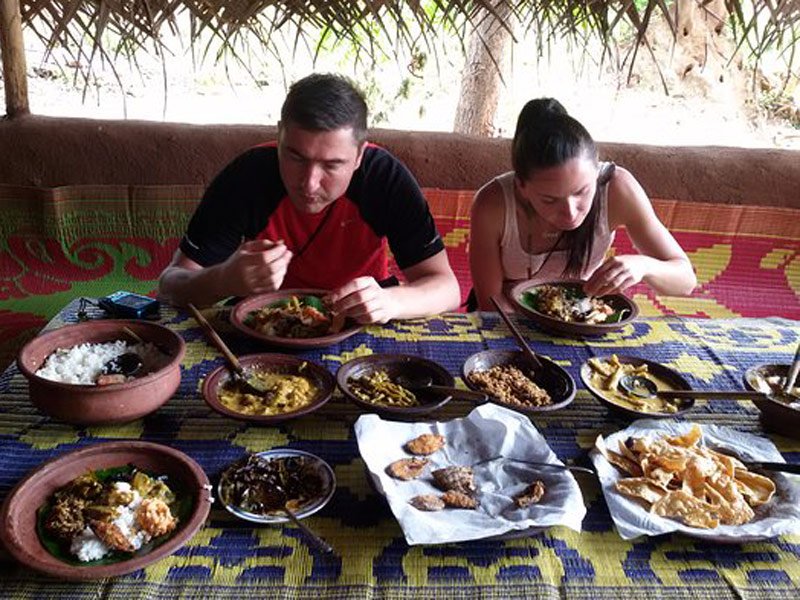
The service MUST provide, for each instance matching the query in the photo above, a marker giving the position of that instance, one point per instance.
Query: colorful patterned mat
(60, 243)
(234, 558)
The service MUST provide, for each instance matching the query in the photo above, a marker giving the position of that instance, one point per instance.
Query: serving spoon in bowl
(248, 384)
(642, 387)
(424, 383)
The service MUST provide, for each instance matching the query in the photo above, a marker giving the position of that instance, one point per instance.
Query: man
(316, 210)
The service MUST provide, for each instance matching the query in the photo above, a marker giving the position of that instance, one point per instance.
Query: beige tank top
(517, 263)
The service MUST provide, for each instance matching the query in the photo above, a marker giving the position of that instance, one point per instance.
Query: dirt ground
(711, 104)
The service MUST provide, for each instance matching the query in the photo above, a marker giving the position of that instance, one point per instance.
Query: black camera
(129, 305)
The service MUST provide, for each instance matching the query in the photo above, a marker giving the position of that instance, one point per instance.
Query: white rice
(83, 363)
(87, 546)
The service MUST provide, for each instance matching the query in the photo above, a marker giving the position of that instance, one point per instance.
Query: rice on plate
(82, 364)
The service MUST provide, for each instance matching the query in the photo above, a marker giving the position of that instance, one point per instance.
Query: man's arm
(432, 288)
(256, 267)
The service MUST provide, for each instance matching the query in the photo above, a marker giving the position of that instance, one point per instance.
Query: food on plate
(773, 384)
(295, 317)
(457, 499)
(568, 303)
(283, 393)
(510, 386)
(678, 478)
(606, 375)
(266, 486)
(113, 512)
(425, 444)
(378, 388)
(530, 495)
(427, 502)
(102, 363)
(460, 479)
(407, 468)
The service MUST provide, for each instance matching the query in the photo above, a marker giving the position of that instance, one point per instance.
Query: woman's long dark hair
(546, 136)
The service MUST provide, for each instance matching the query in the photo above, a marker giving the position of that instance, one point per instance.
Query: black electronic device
(129, 305)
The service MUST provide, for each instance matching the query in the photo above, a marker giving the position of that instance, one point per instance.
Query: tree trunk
(12, 51)
(487, 54)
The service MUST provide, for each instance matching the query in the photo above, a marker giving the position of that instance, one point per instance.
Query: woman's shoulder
(626, 197)
(492, 193)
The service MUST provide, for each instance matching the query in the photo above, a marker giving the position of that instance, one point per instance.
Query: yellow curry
(284, 393)
(605, 378)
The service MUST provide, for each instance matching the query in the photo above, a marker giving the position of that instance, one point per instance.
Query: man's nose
(311, 179)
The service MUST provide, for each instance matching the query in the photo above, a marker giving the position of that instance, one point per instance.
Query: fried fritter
(407, 468)
(530, 495)
(456, 499)
(427, 443)
(111, 535)
(427, 502)
(460, 479)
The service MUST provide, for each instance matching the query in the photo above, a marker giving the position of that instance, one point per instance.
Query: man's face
(316, 166)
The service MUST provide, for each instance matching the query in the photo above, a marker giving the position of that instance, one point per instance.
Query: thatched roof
(379, 26)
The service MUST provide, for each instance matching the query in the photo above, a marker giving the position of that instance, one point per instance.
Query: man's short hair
(326, 102)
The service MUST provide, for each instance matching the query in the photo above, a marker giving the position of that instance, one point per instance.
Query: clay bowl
(550, 324)
(19, 512)
(240, 313)
(669, 376)
(320, 377)
(108, 404)
(552, 378)
(777, 416)
(401, 366)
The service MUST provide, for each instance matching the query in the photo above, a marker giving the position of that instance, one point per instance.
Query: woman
(554, 217)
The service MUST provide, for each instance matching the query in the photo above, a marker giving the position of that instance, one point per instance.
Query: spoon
(538, 464)
(791, 376)
(642, 387)
(126, 364)
(523, 345)
(249, 385)
(423, 383)
(317, 540)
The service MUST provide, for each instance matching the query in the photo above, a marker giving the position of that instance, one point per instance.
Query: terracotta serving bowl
(557, 326)
(241, 311)
(99, 405)
(413, 368)
(673, 378)
(320, 377)
(18, 515)
(552, 378)
(775, 415)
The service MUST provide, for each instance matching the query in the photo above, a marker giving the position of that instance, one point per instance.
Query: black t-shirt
(238, 204)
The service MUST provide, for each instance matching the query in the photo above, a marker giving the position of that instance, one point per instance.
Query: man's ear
(362, 146)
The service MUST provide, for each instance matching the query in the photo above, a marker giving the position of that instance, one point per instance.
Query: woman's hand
(617, 274)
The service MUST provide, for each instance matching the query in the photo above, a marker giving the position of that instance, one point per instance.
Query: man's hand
(257, 267)
(617, 274)
(364, 301)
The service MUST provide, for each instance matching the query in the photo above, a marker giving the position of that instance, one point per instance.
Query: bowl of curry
(292, 387)
(602, 376)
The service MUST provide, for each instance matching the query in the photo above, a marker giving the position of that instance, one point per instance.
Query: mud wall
(43, 151)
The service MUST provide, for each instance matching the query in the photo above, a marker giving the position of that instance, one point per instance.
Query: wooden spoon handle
(213, 336)
(523, 345)
(713, 395)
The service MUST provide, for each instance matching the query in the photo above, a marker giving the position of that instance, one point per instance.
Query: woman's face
(562, 195)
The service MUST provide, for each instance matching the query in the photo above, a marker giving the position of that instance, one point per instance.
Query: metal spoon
(126, 364)
(249, 385)
(523, 345)
(642, 387)
(538, 464)
(424, 383)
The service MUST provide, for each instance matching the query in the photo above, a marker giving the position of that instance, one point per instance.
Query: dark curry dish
(266, 486)
(295, 317)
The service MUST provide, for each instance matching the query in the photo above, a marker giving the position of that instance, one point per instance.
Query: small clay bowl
(673, 378)
(319, 376)
(775, 415)
(106, 404)
(18, 515)
(242, 310)
(550, 377)
(551, 324)
(397, 366)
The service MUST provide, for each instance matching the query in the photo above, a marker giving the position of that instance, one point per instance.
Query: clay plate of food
(379, 383)
(145, 501)
(296, 318)
(259, 487)
(781, 411)
(534, 390)
(562, 307)
(289, 387)
(607, 377)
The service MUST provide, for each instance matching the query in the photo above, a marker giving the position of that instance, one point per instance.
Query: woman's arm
(485, 234)
(661, 262)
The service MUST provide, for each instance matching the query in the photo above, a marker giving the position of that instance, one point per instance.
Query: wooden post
(12, 51)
